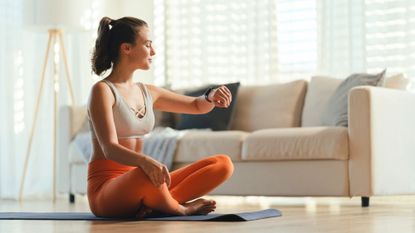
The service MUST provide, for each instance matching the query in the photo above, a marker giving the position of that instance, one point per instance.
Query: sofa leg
(365, 201)
(72, 198)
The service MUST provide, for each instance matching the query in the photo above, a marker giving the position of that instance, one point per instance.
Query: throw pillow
(397, 81)
(164, 119)
(336, 112)
(217, 119)
(275, 105)
(319, 91)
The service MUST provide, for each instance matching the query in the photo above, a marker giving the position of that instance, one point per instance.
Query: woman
(122, 181)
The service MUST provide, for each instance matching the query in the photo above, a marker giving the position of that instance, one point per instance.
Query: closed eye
(148, 43)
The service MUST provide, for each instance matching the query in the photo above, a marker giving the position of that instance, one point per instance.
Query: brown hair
(107, 45)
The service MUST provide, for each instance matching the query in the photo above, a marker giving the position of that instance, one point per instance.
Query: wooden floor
(386, 214)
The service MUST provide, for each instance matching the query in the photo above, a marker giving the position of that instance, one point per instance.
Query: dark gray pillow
(164, 119)
(217, 119)
(336, 113)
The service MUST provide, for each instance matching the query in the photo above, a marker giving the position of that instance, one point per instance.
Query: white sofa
(280, 148)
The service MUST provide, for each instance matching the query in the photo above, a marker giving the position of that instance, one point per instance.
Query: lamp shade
(70, 15)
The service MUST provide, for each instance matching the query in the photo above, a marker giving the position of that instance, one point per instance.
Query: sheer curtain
(297, 39)
(12, 96)
(390, 36)
(341, 32)
(367, 36)
(21, 61)
(217, 41)
(281, 40)
(214, 41)
(19, 75)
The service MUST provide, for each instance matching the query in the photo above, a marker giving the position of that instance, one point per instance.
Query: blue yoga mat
(238, 217)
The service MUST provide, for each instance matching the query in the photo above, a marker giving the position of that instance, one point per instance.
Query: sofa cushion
(336, 112)
(319, 91)
(195, 145)
(308, 143)
(270, 106)
(217, 119)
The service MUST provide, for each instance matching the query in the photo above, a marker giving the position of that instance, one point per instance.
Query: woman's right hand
(156, 172)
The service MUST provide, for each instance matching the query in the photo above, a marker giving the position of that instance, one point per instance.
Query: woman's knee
(145, 187)
(225, 165)
(140, 179)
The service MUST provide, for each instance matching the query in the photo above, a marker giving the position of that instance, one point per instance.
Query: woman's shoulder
(100, 87)
(101, 91)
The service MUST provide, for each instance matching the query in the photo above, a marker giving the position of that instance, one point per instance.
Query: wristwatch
(206, 94)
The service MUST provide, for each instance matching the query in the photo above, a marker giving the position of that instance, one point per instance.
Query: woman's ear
(125, 48)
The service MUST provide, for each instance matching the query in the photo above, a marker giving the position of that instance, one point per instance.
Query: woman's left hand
(221, 97)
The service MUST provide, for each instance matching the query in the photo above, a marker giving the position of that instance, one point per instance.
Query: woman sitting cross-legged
(122, 181)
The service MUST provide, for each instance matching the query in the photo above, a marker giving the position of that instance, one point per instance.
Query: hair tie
(109, 21)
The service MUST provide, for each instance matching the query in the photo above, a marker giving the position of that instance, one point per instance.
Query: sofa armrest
(64, 139)
(72, 120)
(381, 141)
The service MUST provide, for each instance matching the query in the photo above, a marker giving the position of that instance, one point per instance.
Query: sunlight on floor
(226, 203)
(310, 204)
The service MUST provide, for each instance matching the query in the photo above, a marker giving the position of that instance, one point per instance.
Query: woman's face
(142, 52)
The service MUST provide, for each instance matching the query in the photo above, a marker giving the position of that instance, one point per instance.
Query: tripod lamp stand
(56, 41)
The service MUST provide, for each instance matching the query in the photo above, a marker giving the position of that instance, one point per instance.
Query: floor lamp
(55, 38)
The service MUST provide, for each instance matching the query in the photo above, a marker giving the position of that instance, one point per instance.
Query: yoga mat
(238, 217)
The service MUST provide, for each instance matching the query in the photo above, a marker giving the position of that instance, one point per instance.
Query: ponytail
(101, 60)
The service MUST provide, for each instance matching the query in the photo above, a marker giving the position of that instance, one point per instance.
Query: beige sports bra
(127, 123)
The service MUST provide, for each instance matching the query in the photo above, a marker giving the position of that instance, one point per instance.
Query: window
(215, 41)
(297, 39)
(390, 36)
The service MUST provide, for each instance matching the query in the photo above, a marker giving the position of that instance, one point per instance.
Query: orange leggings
(116, 190)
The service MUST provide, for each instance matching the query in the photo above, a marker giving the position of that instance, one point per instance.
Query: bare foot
(199, 206)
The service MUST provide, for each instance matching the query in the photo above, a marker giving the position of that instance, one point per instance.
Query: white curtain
(297, 39)
(21, 61)
(20, 69)
(367, 36)
(12, 94)
(281, 40)
(341, 32)
(215, 41)
(390, 36)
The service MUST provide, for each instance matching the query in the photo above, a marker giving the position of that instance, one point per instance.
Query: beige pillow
(397, 81)
(270, 106)
(319, 91)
